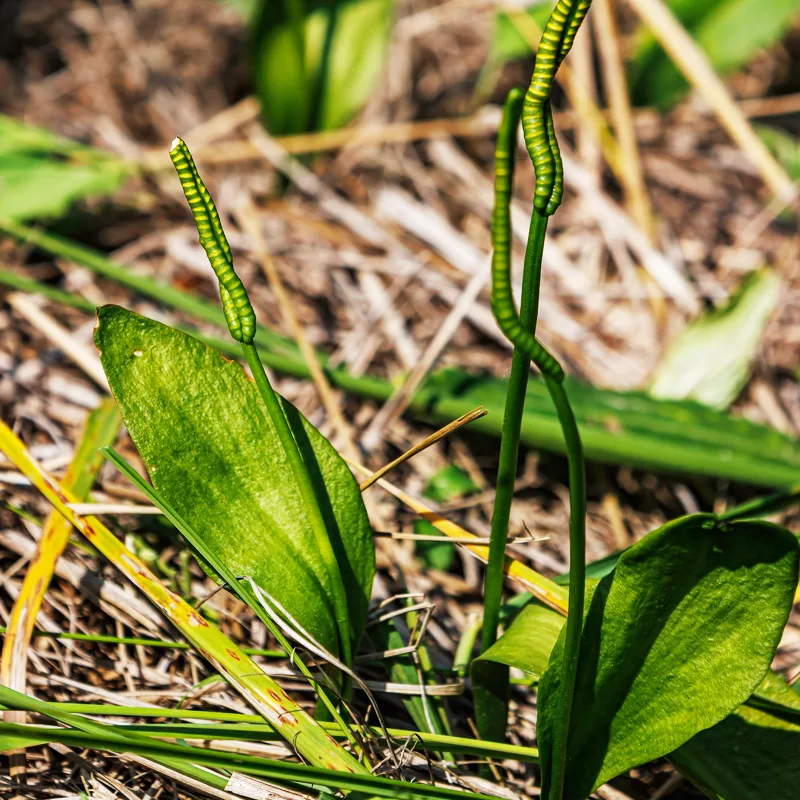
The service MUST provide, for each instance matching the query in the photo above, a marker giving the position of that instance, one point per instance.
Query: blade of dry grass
(542, 588)
(465, 419)
(484, 122)
(402, 396)
(616, 85)
(83, 356)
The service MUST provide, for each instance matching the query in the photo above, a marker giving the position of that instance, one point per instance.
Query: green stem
(492, 706)
(763, 506)
(101, 638)
(306, 488)
(577, 577)
(109, 733)
(466, 644)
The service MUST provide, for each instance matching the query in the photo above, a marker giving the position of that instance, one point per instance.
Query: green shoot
(241, 321)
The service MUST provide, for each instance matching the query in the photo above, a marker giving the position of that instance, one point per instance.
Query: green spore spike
(239, 312)
(502, 300)
(537, 119)
(558, 165)
(231, 314)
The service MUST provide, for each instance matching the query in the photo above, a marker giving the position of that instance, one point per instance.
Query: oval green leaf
(753, 754)
(43, 175)
(710, 360)
(528, 642)
(676, 638)
(211, 451)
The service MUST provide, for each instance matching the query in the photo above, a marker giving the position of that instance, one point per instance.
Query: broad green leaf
(685, 435)
(17, 738)
(774, 694)
(345, 43)
(507, 43)
(730, 31)
(676, 638)
(528, 642)
(595, 570)
(210, 449)
(42, 175)
(753, 754)
(449, 483)
(710, 360)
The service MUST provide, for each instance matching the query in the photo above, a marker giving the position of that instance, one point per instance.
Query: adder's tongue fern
(542, 146)
(241, 321)
(537, 116)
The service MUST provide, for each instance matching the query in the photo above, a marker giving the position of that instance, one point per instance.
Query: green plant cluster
(666, 649)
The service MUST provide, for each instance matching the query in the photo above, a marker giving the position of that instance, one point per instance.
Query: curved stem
(298, 467)
(577, 577)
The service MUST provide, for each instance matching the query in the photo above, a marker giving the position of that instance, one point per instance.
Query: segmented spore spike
(502, 299)
(239, 313)
(537, 118)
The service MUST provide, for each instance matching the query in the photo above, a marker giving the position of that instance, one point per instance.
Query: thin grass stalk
(286, 772)
(110, 733)
(239, 669)
(252, 726)
(25, 284)
(136, 641)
